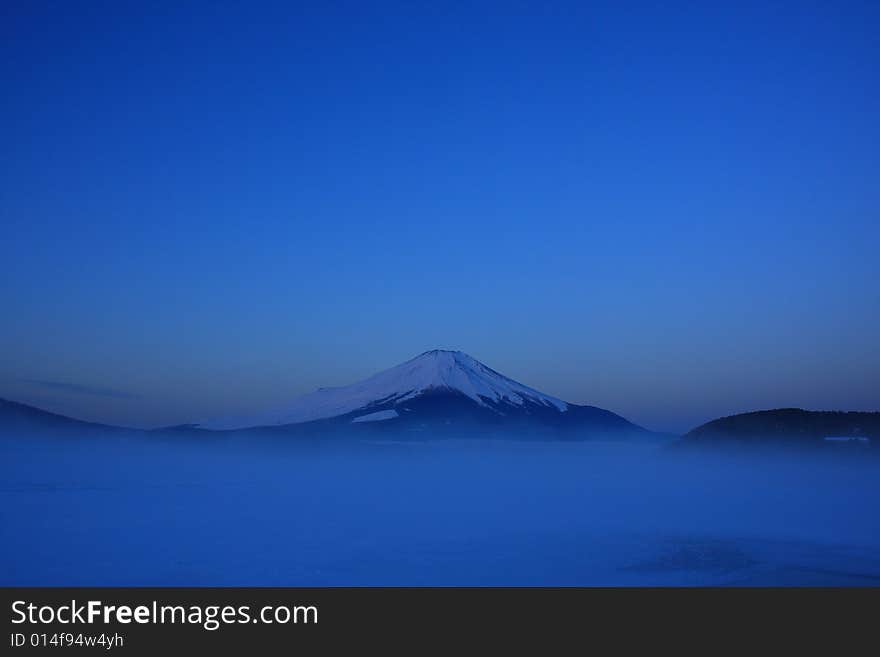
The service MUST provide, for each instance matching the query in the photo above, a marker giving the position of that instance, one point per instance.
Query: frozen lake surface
(461, 512)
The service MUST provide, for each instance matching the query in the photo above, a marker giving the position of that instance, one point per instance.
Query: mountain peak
(431, 371)
(438, 354)
(462, 373)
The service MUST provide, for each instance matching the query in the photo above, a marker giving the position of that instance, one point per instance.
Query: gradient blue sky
(671, 210)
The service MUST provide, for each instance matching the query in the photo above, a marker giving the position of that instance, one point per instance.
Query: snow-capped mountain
(435, 389)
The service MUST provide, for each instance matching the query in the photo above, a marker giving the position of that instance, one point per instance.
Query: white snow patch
(377, 416)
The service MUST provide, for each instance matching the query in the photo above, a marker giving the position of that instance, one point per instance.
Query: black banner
(255, 620)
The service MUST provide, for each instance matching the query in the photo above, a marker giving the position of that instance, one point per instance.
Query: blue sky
(671, 211)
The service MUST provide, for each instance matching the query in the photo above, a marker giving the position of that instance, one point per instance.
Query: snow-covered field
(132, 512)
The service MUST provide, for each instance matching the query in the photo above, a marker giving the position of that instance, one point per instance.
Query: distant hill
(16, 417)
(787, 425)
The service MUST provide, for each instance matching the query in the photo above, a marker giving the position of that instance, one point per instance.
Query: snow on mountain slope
(430, 371)
(378, 416)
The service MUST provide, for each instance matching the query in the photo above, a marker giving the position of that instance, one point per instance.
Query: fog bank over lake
(168, 511)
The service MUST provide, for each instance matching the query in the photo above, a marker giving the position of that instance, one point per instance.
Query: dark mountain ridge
(788, 426)
(15, 417)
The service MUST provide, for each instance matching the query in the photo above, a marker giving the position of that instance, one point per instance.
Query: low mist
(177, 510)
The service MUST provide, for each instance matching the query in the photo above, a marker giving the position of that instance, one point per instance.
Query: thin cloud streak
(79, 389)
